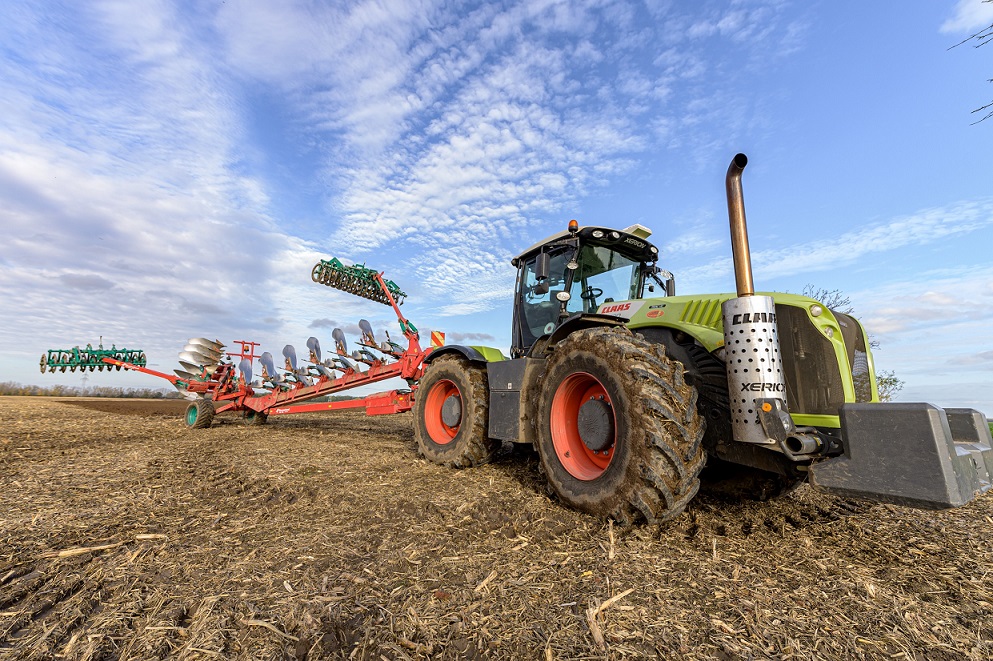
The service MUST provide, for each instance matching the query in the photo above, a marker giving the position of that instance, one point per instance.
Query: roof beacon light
(573, 226)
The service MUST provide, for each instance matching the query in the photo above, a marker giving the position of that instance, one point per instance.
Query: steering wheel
(591, 293)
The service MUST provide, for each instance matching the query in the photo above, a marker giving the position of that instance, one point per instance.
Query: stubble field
(123, 535)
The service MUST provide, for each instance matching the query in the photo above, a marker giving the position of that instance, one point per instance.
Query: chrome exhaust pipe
(751, 341)
(739, 231)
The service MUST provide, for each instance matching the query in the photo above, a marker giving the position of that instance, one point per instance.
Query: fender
(583, 320)
(478, 355)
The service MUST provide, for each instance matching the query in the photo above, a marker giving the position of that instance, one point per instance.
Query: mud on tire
(619, 434)
(723, 478)
(451, 413)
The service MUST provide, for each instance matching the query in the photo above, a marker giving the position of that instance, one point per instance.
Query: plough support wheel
(254, 418)
(200, 414)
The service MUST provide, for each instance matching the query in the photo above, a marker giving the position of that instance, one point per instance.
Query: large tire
(719, 477)
(619, 434)
(451, 409)
(199, 414)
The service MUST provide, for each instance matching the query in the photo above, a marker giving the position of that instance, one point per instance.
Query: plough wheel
(451, 410)
(200, 414)
(254, 418)
(619, 433)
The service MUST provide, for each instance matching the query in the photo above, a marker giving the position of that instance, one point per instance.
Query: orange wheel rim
(439, 432)
(579, 460)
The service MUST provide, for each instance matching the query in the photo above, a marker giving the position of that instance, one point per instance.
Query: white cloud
(970, 15)
(923, 227)
(448, 139)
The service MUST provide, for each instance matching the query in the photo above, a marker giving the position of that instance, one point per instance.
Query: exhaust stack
(751, 342)
(739, 232)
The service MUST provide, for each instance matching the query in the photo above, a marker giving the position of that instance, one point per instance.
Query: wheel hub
(451, 411)
(596, 424)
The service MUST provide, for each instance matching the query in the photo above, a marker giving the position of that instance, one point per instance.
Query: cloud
(457, 132)
(88, 282)
(348, 328)
(970, 15)
(463, 337)
(140, 198)
(921, 228)
(982, 358)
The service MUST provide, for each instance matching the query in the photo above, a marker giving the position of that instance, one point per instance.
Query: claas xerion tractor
(632, 395)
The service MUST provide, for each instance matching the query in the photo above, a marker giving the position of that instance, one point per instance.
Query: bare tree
(887, 383)
(981, 38)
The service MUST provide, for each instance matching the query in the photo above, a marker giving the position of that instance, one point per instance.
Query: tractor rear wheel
(619, 433)
(451, 409)
(199, 414)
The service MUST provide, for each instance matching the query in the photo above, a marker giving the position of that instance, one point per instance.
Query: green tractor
(634, 396)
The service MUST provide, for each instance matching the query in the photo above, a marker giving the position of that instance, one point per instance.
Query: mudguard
(909, 454)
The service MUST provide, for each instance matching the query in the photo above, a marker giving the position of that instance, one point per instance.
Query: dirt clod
(125, 535)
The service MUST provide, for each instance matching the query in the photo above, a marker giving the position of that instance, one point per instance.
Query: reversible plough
(220, 381)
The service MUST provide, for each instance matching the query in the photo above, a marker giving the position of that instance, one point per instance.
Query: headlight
(563, 296)
(829, 331)
(597, 234)
(816, 310)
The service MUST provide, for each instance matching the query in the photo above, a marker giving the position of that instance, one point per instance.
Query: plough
(219, 381)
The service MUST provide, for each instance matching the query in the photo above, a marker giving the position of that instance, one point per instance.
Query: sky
(175, 169)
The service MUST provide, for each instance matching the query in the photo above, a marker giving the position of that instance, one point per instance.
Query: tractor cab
(582, 271)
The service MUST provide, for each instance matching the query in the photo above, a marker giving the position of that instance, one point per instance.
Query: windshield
(603, 276)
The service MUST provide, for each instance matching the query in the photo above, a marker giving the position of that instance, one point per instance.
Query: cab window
(540, 307)
(603, 276)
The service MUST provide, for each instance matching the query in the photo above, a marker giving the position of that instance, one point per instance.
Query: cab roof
(631, 240)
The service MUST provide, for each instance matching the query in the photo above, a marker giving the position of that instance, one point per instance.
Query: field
(123, 535)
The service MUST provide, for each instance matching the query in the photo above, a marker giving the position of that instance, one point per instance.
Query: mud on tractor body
(633, 395)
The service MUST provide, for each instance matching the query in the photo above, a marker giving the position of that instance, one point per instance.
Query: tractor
(633, 396)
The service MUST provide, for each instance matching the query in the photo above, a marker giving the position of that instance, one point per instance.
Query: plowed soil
(123, 535)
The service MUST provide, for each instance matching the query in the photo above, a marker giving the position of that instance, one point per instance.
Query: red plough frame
(230, 392)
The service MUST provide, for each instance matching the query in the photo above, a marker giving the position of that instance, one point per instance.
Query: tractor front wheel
(451, 409)
(619, 432)
(199, 414)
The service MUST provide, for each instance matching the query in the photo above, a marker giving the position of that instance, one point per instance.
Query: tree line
(12, 388)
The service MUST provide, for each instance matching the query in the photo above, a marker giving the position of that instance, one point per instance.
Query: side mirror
(670, 286)
(542, 265)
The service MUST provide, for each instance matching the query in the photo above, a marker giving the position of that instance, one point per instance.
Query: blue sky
(174, 169)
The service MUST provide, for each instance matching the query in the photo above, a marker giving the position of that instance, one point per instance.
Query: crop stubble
(125, 535)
